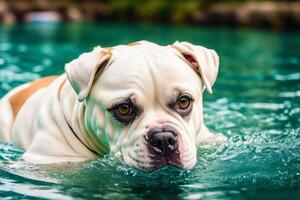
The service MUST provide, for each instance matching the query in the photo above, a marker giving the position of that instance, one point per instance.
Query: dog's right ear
(82, 70)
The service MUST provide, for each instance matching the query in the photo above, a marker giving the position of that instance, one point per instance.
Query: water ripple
(288, 77)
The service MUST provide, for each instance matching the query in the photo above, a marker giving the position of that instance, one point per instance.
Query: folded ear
(82, 70)
(204, 61)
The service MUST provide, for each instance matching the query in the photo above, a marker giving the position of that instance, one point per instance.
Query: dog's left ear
(204, 61)
(82, 70)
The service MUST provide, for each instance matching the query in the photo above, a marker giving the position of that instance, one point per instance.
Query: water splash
(256, 158)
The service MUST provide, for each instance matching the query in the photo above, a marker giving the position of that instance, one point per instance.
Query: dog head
(143, 102)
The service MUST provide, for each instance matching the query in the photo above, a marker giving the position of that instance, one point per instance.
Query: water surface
(256, 103)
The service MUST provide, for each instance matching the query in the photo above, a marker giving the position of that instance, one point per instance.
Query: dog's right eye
(124, 109)
(124, 112)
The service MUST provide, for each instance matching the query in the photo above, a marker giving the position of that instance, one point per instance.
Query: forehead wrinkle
(127, 73)
(135, 74)
(172, 76)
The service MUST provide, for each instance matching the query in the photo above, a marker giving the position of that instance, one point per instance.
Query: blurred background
(273, 14)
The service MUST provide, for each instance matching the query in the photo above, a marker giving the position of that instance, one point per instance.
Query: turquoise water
(256, 103)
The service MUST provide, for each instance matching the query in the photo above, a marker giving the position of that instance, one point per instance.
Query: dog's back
(12, 103)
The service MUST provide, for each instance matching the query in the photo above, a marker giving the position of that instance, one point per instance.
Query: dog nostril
(163, 143)
(172, 141)
(155, 142)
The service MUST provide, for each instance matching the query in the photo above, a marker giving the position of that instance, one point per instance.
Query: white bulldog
(139, 102)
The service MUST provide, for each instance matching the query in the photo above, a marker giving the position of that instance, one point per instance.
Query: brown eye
(184, 102)
(124, 109)
(124, 112)
(183, 105)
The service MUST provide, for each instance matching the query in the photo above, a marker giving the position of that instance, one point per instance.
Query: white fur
(77, 126)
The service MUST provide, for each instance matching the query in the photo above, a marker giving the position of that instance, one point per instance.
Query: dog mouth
(153, 162)
(163, 144)
(160, 161)
(159, 151)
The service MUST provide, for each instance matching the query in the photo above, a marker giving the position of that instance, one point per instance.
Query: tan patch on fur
(18, 99)
(133, 44)
(107, 51)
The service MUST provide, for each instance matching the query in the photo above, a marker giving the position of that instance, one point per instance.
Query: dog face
(144, 101)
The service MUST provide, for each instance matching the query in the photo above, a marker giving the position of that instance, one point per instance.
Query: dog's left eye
(183, 105)
(184, 102)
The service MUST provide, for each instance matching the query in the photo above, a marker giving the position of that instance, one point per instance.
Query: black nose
(163, 141)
